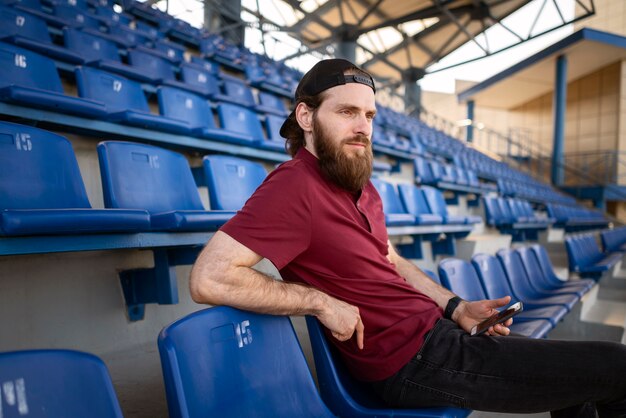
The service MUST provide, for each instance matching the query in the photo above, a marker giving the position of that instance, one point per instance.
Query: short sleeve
(276, 221)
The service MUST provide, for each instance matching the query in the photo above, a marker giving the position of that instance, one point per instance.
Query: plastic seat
(395, 215)
(437, 205)
(43, 192)
(195, 111)
(31, 32)
(200, 80)
(224, 362)
(536, 275)
(550, 277)
(157, 180)
(124, 99)
(231, 180)
(347, 397)
(496, 285)
(243, 121)
(460, 277)
(56, 383)
(413, 199)
(75, 17)
(32, 79)
(93, 49)
(270, 103)
(520, 283)
(237, 92)
(274, 141)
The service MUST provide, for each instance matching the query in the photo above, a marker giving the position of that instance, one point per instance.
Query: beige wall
(610, 16)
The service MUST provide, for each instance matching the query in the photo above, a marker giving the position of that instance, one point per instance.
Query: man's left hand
(468, 314)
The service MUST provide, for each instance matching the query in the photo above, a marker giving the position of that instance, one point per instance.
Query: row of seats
(32, 80)
(448, 176)
(411, 205)
(146, 188)
(527, 275)
(515, 217)
(585, 257)
(576, 218)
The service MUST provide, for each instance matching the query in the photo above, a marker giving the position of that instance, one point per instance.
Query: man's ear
(304, 116)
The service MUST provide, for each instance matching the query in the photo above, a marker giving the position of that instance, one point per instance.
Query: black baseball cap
(324, 75)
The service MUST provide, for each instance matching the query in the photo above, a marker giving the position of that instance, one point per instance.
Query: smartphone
(498, 318)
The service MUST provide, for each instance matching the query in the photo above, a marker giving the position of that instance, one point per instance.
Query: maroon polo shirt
(317, 233)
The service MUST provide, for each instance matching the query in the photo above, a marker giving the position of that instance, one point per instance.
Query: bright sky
(280, 45)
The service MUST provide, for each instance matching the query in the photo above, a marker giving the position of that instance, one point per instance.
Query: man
(319, 220)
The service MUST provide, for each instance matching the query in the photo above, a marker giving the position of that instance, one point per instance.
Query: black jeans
(511, 374)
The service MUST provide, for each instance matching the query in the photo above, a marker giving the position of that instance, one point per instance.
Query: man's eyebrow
(354, 107)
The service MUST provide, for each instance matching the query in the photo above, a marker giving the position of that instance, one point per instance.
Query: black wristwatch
(451, 307)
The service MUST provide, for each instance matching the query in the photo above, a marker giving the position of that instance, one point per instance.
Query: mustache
(358, 139)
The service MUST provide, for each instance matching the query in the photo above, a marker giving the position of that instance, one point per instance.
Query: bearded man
(320, 221)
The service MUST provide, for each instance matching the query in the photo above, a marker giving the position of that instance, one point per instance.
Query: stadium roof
(587, 51)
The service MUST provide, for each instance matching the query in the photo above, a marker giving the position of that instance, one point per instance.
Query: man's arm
(467, 314)
(223, 275)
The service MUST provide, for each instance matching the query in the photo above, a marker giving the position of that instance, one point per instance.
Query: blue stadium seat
(496, 285)
(200, 80)
(520, 282)
(269, 103)
(536, 276)
(265, 79)
(43, 192)
(56, 383)
(195, 111)
(242, 121)
(31, 32)
(32, 80)
(93, 49)
(551, 279)
(170, 50)
(157, 180)
(111, 17)
(423, 173)
(586, 259)
(228, 363)
(75, 17)
(231, 180)
(274, 141)
(347, 397)
(395, 214)
(415, 203)
(437, 205)
(237, 92)
(613, 239)
(124, 99)
(460, 277)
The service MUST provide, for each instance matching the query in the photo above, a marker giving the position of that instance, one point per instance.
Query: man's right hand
(342, 319)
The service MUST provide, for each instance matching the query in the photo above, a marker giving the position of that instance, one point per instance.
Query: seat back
(422, 170)
(201, 79)
(273, 124)
(91, 47)
(140, 176)
(238, 92)
(269, 100)
(435, 200)
(544, 262)
(172, 50)
(24, 68)
(515, 272)
(240, 119)
(224, 362)
(38, 170)
(413, 199)
(56, 383)
(389, 196)
(116, 92)
(460, 277)
(492, 211)
(492, 276)
(14, 22)
(231, 180)
(75, 16)
(533, 270)
(182, 105)
(151, 65)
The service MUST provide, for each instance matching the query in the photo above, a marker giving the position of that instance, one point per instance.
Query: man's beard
(348, 169)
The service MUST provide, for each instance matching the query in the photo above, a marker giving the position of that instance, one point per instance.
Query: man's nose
(364, 125)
